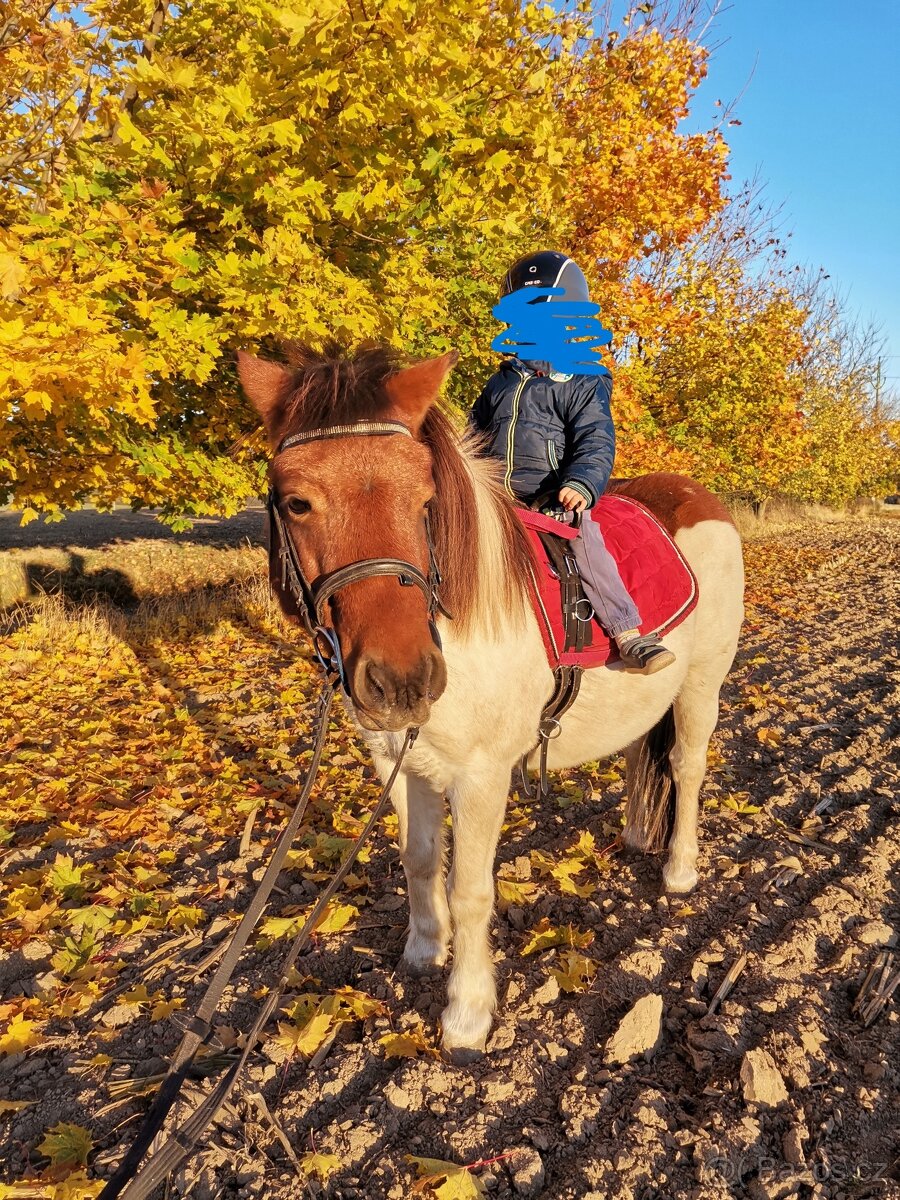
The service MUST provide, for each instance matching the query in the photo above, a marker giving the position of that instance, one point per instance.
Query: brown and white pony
(479, 699)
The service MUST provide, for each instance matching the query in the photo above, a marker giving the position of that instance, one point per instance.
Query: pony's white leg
(420, 816)
(478, 804)
(696, 714)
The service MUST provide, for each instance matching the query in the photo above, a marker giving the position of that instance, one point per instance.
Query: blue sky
(820, 125)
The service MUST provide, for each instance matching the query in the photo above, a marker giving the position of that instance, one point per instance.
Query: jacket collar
(532, 366)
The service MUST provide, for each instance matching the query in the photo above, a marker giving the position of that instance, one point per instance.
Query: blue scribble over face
(545, 331)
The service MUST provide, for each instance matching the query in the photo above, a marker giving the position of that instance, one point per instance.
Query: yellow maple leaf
(336, 917)
(545, 936)
(139, 995)
(318, 1164)
(358, 1003)
(511, 891)
(409, 1044)
(21, 1034)
(447, 1180)
(75, 1187)
(768, 736)
(12, 276)
(164, 1008)
(305, 1039)
(575, 972)
(567, 885)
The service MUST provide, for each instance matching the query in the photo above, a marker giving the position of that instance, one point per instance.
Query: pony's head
(343, 499)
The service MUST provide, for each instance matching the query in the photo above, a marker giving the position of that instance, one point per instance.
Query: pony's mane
(482, 550)
(334, 387)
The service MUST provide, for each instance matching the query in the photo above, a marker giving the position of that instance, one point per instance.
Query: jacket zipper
(510, 437)
(551, 455)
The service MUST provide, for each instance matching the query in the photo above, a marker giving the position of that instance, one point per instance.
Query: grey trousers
(612, 604)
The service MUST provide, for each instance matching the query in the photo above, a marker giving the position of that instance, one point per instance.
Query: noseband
(312, 596)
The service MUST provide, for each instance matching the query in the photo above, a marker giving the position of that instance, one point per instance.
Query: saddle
(653, 570)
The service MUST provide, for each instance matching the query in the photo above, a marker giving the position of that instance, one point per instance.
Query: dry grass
(780, 516)
(106, 605)
(48, 621)
(124, 572)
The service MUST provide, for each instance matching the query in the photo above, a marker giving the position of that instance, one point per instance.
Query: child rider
(554, 434)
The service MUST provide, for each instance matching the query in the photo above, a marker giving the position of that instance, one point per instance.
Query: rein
(312, 598)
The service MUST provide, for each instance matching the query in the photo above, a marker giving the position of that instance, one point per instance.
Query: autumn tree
(850, 420)
(177, 183)
(248, 170)
(645, 191)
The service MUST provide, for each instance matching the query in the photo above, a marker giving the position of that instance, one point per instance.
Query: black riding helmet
(547, 269)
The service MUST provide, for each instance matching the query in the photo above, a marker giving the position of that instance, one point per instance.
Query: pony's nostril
(375, 683)
(437, 676)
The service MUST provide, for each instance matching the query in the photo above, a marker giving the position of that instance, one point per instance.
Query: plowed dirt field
(145, 770)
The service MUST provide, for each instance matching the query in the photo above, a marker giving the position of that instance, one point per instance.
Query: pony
(476, 684)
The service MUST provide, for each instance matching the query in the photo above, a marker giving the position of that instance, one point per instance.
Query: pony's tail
(651, 785)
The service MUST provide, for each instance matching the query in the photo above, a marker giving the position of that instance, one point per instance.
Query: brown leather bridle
(312, 596)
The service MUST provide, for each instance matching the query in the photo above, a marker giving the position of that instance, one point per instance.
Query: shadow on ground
(90, 529)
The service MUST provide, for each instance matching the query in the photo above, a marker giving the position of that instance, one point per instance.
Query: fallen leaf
(318, 1164)
(410, 1044)
(164, 1008)
(545, 936)
(575, 972)
(447, 1180)
(306, 1039)
(139, 995)
(768, 736)
(512, 892)
(67, 1145)
(21, 1034)
(336, 917)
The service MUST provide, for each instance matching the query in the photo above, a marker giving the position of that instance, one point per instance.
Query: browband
(357, 429)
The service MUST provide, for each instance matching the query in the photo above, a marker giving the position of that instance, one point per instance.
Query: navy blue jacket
(549, 432)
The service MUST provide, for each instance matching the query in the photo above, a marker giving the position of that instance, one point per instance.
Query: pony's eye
(299, 507)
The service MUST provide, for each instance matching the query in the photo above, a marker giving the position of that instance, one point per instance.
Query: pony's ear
(267, 385)
(413, 390)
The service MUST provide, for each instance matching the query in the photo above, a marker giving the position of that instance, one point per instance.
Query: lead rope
(139, 1184)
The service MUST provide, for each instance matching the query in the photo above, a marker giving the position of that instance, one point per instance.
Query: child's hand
(571, 500)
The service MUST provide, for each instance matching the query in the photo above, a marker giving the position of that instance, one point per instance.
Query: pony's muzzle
(389, 698)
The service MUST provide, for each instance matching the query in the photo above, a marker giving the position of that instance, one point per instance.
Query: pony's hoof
(634, 838)
(423, 956)
(465, 1029)
(679, 879)
(420, 968)
(462, 1056)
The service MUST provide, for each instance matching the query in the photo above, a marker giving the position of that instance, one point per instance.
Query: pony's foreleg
(477, 804)
(420, 816)
(696, 714)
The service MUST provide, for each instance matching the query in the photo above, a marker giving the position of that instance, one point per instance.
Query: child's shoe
(643, 654)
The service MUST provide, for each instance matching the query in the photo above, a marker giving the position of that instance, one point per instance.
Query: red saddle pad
(652, 567)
